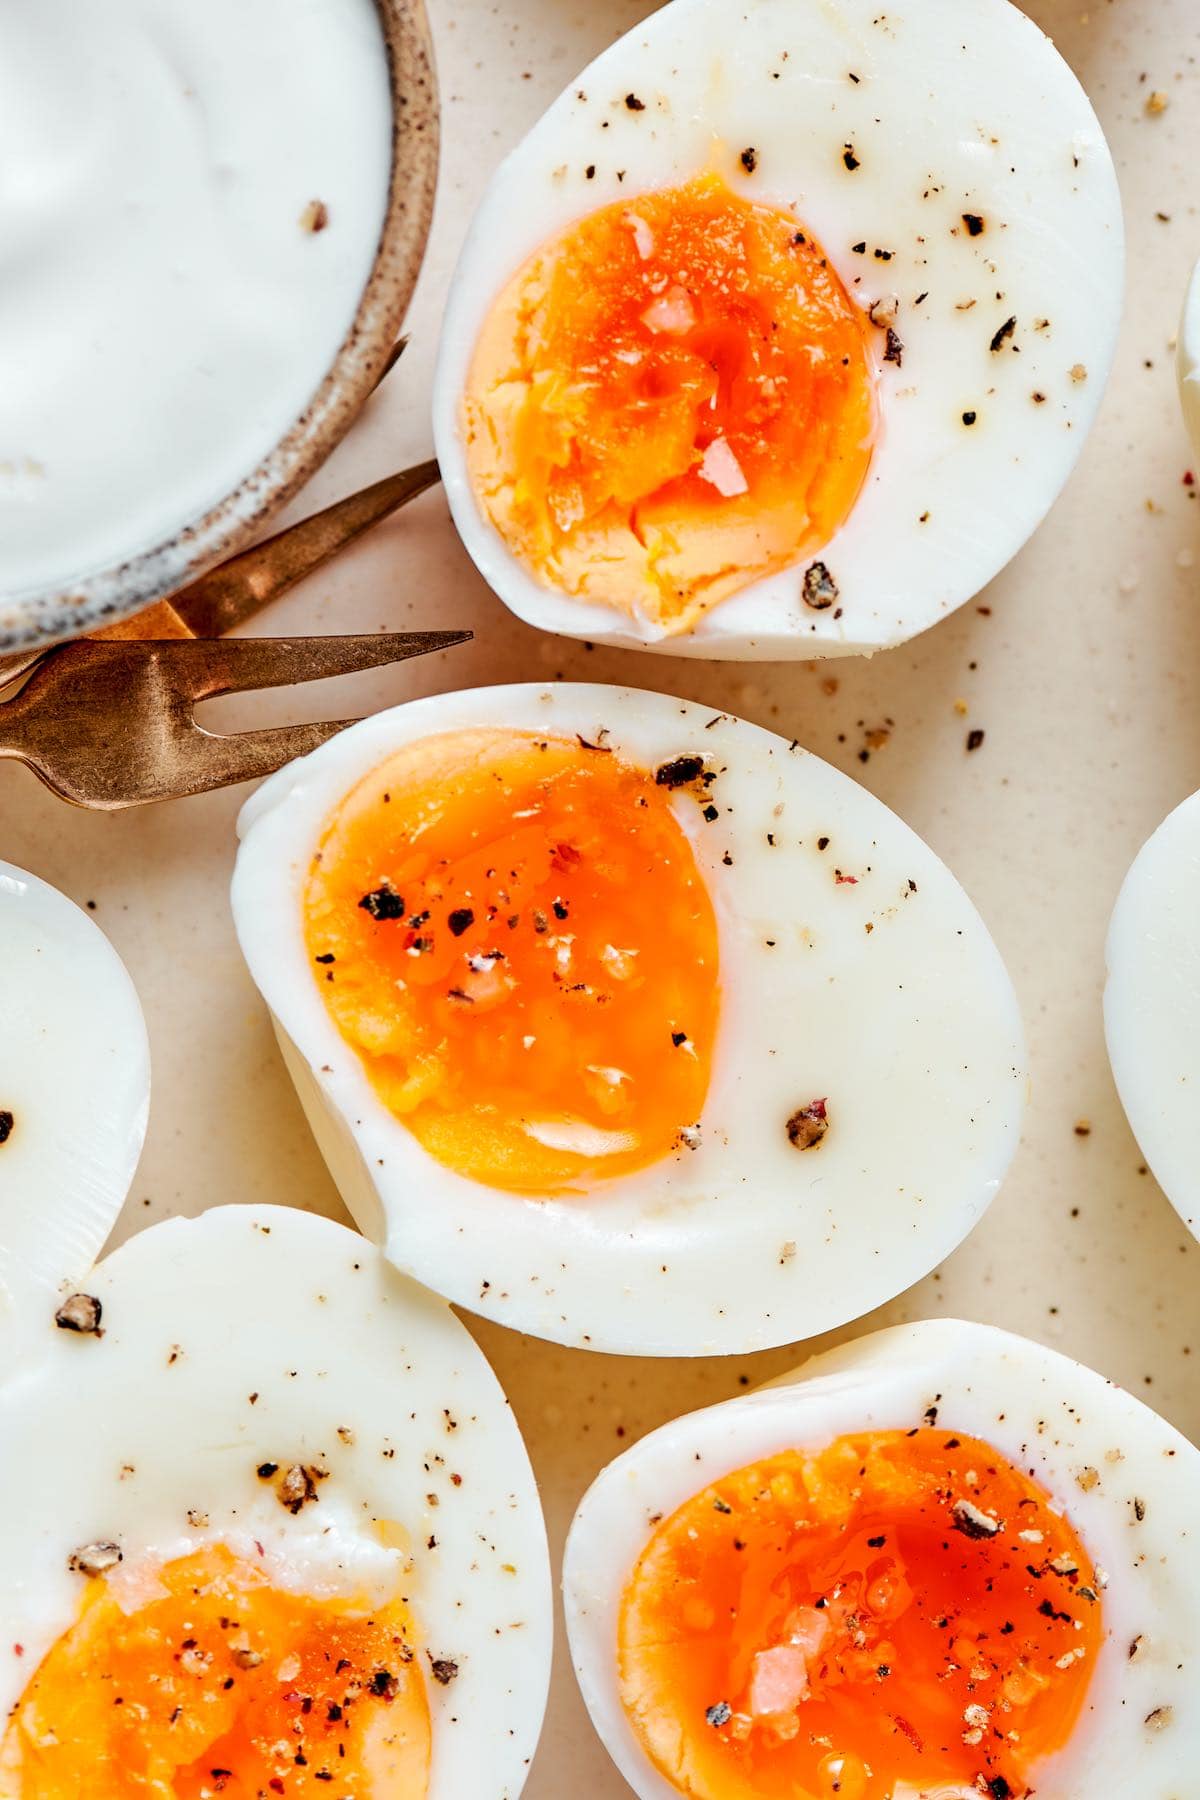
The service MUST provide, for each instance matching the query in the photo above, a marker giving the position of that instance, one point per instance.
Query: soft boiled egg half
(1152, 1005)
(267, 1528)
(779, 333)
(74, 1092)
(939, 1563)
(625, 1022)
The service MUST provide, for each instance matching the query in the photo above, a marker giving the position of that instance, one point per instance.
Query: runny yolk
(220, 1684)
(513, 934)
(669, 400)
(899, 1614)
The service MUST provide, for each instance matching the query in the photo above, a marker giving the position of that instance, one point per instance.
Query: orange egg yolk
(899, 1614)
(670, 400)
(513, 934)
(219, 1684)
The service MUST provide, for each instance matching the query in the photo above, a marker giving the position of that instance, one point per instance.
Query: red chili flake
(18, 1649)
(565, 857)
(1189, 479)
(276, 1785)
(841, 880)
(912, 1736)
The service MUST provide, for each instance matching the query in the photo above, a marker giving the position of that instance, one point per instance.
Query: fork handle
(159, 620)
(215, 603)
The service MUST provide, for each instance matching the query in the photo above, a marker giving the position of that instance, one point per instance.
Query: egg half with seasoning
(939, 1563)
(627, 1023)
(781, 330)
(1152, 1005)
(267, 1528)
(74, 1092)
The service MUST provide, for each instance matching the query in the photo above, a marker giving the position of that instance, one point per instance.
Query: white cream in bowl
(167, 310)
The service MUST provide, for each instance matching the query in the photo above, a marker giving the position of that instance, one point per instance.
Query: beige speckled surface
(1084, 675)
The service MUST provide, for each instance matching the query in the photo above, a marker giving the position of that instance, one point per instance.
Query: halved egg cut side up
(513, 934)
(670, 400)
(212, 1681)
(900, 1613)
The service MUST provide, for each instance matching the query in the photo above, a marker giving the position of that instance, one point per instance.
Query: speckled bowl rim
(42, 614)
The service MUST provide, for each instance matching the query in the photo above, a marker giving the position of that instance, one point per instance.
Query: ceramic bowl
(42, 615)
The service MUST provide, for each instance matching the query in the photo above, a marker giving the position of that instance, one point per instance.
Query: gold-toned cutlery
(110, 725)
(234, 591)
(108, 721)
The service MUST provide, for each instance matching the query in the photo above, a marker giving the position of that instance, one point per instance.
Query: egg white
(881, 993)
(1152, 1005)
(75, 1075)
(963, 108)
(258, 1334)
(1045, 1412)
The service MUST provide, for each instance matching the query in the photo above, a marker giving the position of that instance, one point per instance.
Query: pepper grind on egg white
(627, 1023)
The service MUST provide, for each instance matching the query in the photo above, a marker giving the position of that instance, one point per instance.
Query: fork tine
(392, 358)
(249, 755)
(206, 668)
(215, 603)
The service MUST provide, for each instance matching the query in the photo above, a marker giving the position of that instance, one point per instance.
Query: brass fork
(111, 725)
(108, 722)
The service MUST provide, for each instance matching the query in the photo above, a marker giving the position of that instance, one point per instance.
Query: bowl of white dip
(212, 218)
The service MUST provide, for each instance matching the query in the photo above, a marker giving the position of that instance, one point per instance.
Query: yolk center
(220, 1684)
(513, 934)
(897, 1611)
(670, 400)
